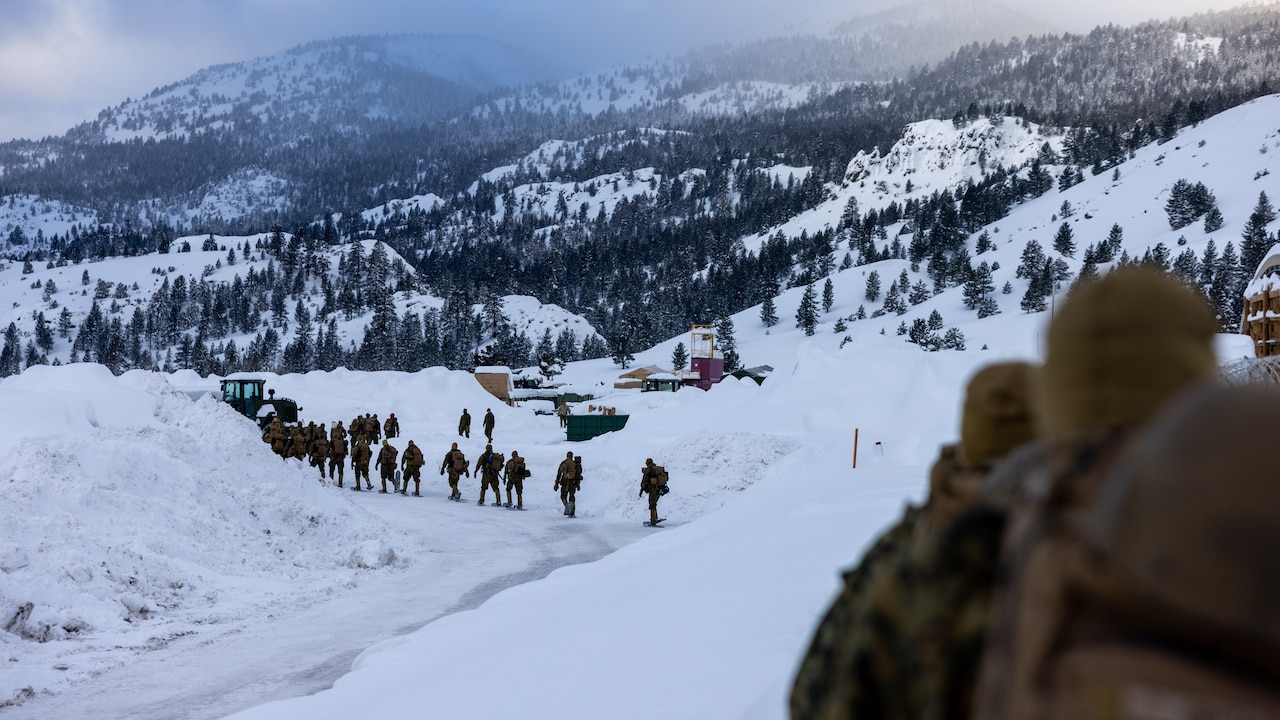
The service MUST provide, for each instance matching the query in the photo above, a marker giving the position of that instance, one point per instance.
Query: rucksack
(459, 461)
(659, 476)
(495, 462)
(570, 471)
(1154, 596)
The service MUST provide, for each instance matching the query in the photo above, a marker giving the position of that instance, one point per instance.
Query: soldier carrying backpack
(515, 473)
(653, 480)
(488, 465)
(568, 477)
(455, 463)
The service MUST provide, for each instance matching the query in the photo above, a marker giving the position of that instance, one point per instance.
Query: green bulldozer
(245, 395)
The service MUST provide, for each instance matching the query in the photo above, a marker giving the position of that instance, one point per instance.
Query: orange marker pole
(855, 448)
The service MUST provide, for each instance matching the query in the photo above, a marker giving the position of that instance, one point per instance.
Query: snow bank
(126, 502)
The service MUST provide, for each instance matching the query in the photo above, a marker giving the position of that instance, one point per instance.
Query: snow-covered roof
(493, 370)
(663, 376)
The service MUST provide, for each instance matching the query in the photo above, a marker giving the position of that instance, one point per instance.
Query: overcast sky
(61, 61)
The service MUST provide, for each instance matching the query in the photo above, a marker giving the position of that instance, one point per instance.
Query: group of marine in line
(1099, 544)
(323, 447)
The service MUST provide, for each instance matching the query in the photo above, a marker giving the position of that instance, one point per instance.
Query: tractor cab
(243, 395)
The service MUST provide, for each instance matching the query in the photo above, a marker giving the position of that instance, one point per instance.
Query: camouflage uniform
(392, 427)
(455, 463)
(649, 484)
(567, 483)
(488, 425)
(1119, 348)
(514, 474)
(464, 424)
(337, 456)
(277, 437)
(411, 462)
(386, 462)
(361, 454)
(320, 450)
(297, 444)
(488, 474)
(870, 642)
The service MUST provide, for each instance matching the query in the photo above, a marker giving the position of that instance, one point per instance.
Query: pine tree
(679, 356)
(828, 296)
(1213, 220)
(1039, 287)
(728, 344)
(1225, 293)
(620, 350)
(1254, 242)
(980, 285)
(1032, 260)
(873, 286)
(807, 313)
(768, 312)
(1063, 242)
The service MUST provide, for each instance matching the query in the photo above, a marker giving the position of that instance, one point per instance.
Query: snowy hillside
(25, 220)
(765, 507)
(123, 289)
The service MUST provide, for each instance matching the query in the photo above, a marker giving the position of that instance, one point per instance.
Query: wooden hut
(497, 380)
(1261, 317)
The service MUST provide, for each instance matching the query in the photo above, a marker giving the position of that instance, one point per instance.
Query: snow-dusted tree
(873, 286)
(679, 356)
(828, 296)
(807, 313)
(1063, 241)
(1032, 260)
(620, 350)
(728, 344)
(979, 286)
(1254, 242)
(768, 312)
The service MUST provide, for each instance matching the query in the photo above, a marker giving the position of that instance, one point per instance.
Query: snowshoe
(653, 524)
(381, 492)
(415, 494)
(480, 501)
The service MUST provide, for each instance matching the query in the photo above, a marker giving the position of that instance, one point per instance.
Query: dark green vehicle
(247, 398)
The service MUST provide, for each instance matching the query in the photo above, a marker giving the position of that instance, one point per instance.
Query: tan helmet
(455, 446)
(997, 414)
(568, 455)
(1119, 348)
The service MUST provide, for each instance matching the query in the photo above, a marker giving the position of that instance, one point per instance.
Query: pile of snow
(127, 502)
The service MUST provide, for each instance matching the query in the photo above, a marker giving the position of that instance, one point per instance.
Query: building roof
(493, 370)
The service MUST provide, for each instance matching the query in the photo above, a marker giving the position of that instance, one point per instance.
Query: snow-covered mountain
(121, 595)
(328, 85)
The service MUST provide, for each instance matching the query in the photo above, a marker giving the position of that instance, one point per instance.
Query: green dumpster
(585, 427)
